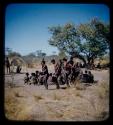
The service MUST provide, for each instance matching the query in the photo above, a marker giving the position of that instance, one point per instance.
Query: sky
(26, 25)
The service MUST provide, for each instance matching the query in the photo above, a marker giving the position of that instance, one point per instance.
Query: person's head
(64, 60)
(27, 74)
(86, 71)
(37, 72)
(50, 74)
(53, 61)
(7, 58)
(43, 63)
(32, 74)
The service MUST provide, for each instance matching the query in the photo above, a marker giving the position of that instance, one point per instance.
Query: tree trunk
(90, 61)
(76, 55)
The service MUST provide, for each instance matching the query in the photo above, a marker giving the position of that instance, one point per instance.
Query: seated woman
(33, 79)
(18, 70)
(85, 77)
(26, 78)
(90, 77)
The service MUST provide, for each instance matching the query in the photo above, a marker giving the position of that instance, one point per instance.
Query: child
(91, 77)
(26, 78)
(45, 73)
(33, 79)
(85, 77)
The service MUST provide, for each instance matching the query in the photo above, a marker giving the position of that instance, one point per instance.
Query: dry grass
(80, 87)
(103, 90)
(17, 94)
(37, 97)
(103, 62)
(78, 94)
(12, 107)
(77, 103)
(56, 97)
(100, 101)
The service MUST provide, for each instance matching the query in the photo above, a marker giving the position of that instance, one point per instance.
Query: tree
(12, 54)
(64, 38)
(32, 54)
(102, 30)
(95, 44)
(8, 50)
(80, 41)
(40, 53)
(43, 54)
(54, 53)
(62, 54)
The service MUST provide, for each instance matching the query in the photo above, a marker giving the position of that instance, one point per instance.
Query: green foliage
(64, 38)
(8, 50)
(96, 43)
(13, 54)
(31, 54)
(10, 53)
(39, 53)
(89, 39)
(62, 54)
(102, 30)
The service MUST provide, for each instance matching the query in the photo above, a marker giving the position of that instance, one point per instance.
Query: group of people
(65, 72)
(87, 77)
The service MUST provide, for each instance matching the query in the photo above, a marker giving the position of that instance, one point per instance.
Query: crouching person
(37, 74)
(33, 79)
(90, 77)
(26, 78)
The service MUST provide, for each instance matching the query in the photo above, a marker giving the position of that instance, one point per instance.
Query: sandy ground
(80, 103)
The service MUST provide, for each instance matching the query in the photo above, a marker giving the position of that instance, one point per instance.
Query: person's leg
(45, 82)
(67, 80)
(57, 83)
(9, 69)
(60, 79)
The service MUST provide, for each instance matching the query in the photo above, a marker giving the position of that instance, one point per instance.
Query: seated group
(87, 77)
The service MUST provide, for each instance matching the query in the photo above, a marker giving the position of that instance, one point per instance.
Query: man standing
(7, 65)
(45, 73)
(66, 71)
(57, 72)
